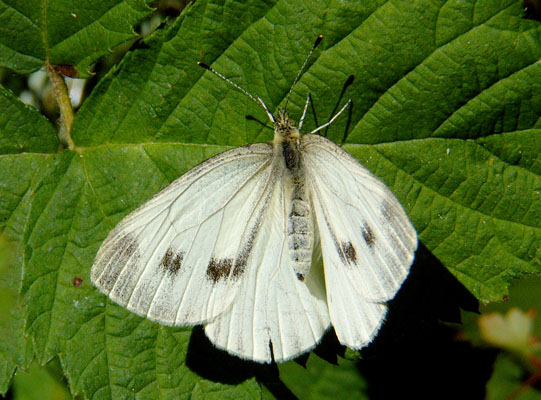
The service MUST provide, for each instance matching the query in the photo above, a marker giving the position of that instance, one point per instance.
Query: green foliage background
(446, 110)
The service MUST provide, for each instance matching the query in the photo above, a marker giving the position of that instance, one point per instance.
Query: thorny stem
(64, 103)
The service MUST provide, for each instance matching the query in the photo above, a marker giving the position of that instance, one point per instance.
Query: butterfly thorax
(300, 226)
(287, 140)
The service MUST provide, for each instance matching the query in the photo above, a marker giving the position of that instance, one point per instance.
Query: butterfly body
(267, 245)
(300, 225)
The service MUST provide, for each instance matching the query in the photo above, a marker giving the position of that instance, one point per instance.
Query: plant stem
(64, 103)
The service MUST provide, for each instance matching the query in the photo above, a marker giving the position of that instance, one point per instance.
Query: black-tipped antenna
(316, 43)
(256, 99)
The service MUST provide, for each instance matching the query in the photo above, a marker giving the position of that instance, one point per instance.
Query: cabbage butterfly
(236, 244)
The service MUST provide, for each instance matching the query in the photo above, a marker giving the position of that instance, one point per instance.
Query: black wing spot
(240, 265)
(219, 269)
(300, 277)
(242, 258)
(171, 262)
(368, 235)
(349, 252)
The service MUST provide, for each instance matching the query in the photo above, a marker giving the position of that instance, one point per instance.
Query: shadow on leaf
(218, 366)
(415, 353)
(414, 350)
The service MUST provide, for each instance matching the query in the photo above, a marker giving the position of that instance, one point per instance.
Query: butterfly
(267, 244)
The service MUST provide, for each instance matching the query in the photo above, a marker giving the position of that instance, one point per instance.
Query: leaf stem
(64, 103)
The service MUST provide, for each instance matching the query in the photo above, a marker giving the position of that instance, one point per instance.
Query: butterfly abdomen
(300, 228)
(300, 236)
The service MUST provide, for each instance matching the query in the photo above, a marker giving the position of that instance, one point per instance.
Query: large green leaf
(450, 108)
(446, 110)
(64, 32)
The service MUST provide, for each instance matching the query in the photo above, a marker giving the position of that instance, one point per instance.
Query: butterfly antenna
(316, 43)
(256, 99)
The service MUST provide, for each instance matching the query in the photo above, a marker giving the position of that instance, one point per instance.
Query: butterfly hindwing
(179, 259)
(275, 305)
(367, 240)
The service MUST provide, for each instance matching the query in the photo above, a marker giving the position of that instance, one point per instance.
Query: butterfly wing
(179, 259)
(273, 304)
(367, 240)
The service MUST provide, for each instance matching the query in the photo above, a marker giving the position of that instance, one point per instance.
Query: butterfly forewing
(367, 239)
(179, 258)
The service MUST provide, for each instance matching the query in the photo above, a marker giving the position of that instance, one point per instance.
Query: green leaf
(38, 383)
(446, 110)
(22, 129)
(449, 107)
(64, 32)
(12, 348)
(322, 380)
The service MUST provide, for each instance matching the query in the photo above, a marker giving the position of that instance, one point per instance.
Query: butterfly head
(284, 128)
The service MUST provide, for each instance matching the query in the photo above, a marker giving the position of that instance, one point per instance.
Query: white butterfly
(236, 244)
